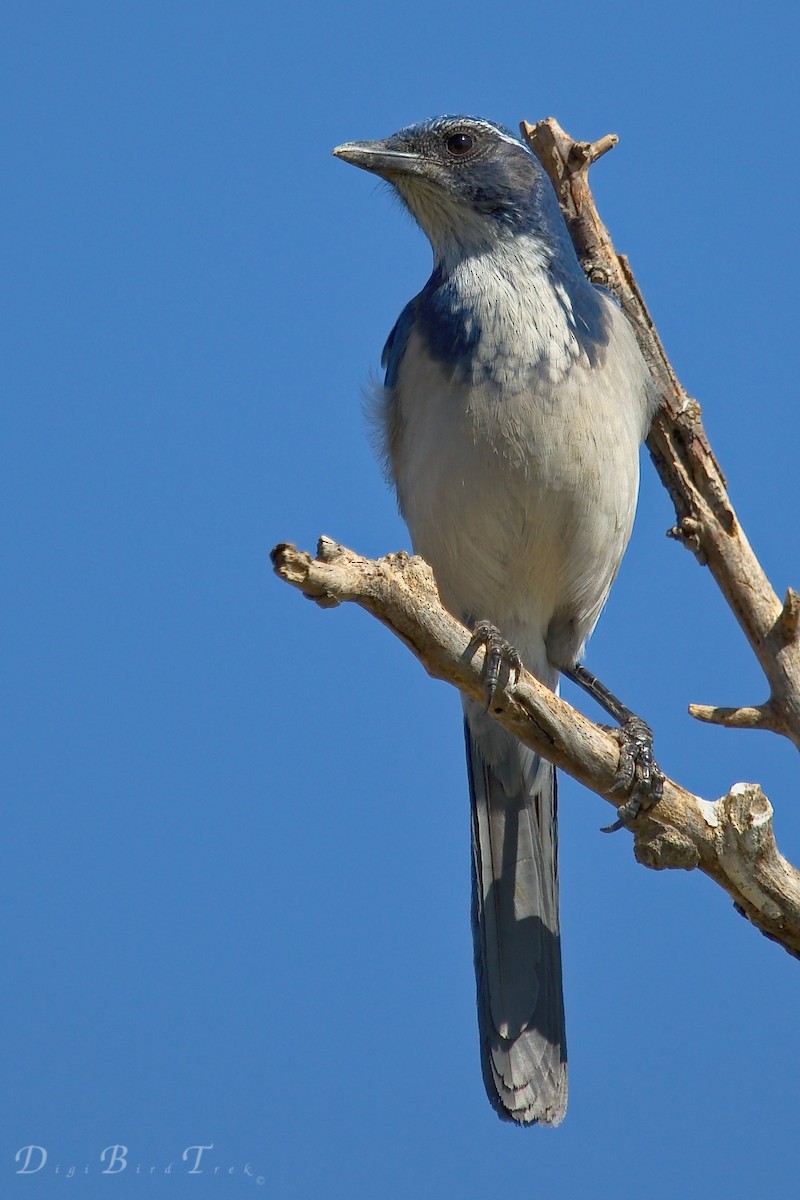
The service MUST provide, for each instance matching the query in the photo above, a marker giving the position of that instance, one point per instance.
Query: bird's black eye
(459, 143)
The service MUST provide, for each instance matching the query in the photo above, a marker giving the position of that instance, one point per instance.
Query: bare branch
(759, 716)
(730, 840)
(707, 523)
(790, 615)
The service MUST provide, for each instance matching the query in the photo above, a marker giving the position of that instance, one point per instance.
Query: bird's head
(468, 182)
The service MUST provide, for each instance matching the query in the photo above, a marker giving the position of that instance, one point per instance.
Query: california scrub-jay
(514, 404)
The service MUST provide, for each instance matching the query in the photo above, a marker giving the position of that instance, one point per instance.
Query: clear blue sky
(236, 865)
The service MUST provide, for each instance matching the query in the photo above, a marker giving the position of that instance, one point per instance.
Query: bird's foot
(498, 652)
(637, 771)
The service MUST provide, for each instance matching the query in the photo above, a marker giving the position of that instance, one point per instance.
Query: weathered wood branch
(730, 840)
(706, 520)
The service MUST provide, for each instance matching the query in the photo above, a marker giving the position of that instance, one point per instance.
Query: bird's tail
(515, 924)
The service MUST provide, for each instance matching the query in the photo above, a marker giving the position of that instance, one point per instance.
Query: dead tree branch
(730, 840)
(706, 521)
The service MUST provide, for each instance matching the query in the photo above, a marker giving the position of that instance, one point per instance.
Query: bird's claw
(637, 772)
(498, 651)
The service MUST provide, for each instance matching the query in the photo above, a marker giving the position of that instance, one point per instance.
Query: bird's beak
(376, 157)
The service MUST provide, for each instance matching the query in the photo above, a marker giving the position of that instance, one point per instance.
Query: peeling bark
(730, 840)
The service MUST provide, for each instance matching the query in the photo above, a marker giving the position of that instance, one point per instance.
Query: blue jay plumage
(513, 408)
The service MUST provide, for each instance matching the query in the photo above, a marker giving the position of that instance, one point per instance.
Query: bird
(511, 414)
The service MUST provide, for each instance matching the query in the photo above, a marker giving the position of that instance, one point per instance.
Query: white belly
(521, 498)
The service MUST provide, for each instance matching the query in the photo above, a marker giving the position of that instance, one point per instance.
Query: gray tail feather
(515, 925)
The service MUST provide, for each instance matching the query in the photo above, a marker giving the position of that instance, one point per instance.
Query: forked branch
(730, 840)
(706, 521)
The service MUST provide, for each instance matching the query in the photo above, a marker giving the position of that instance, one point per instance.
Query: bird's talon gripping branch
(637, 770)
(625, 814)
(498, 651)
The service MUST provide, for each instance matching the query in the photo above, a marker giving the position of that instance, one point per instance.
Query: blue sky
(236, 865)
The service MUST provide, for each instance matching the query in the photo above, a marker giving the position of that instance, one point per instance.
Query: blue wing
(397, 341)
